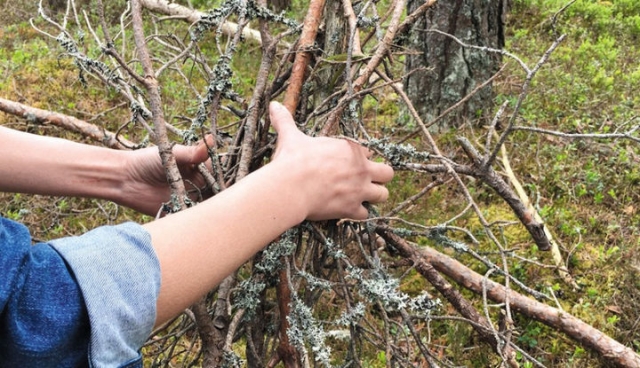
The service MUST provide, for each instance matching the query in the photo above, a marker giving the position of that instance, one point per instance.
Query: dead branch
(625, 135)
(303, 54)
(286, 352)
(524, 198)
(575, 328)
(38, 116)
(192, 16)
(481, 325)
(489, 176)
(257, 103)
(366, 72)
(179, 193)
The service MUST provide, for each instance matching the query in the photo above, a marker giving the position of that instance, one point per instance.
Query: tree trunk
(452, 72)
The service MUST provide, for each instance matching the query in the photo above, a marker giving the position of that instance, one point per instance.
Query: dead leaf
(614, 309)
(629, 210)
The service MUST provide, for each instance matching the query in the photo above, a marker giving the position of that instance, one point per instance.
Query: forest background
(577, 164)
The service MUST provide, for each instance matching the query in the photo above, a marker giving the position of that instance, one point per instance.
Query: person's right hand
(336, 175)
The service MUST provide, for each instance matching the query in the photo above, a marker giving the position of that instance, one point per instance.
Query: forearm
(197, 248)
(51, 166)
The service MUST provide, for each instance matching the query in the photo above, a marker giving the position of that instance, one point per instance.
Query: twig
(626, 135)
(483, 48)
(555, 250)
(398, 7)
(523, 94)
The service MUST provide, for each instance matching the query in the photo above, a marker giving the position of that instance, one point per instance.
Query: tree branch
(39, 116)
(575, 328)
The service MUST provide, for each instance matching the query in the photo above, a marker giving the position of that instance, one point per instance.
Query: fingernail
(275, 105)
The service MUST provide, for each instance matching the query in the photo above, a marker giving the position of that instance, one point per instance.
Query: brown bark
(286, 352)
(214, 347)
(206, 331)
(256, 104)
(303, 55)
(39, 116)
(575, 328)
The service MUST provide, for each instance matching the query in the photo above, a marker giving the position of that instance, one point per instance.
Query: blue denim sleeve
(119, 275)
(43, 321)
(87, 300)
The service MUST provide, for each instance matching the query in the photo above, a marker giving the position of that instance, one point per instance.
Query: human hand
(335, 175)
(145, 188)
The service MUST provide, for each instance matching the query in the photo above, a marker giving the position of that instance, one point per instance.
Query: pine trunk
(452, 72)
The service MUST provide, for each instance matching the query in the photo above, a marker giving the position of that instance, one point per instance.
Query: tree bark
(453, 72)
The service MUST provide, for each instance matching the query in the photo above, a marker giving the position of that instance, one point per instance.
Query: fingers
(380, 173)
(200, 153)
(376, 193)
(281, 120)
(193, 155)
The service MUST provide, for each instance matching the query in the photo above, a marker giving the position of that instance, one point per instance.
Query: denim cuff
(119, 275)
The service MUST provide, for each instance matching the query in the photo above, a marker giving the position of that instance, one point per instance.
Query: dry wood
(555, 250)
(160, 138)
(303, 54)
(39, 116)
(575, 328)
(192, 16)
(481, 325)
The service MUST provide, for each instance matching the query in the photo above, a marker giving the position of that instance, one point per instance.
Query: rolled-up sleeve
(43, 320)
(119, 275)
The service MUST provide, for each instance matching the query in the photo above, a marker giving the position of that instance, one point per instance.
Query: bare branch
(192, 16)
(39, 116)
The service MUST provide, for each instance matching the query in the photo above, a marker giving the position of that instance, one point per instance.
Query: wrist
(289, 184)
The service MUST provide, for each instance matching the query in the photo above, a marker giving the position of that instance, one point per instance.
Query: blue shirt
(79, 301)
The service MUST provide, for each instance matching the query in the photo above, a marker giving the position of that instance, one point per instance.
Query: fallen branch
(555, 250)
(480, 324)
(575, 328)
(490, 177)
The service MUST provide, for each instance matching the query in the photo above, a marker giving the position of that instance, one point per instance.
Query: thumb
(193, 155)
(282, 121)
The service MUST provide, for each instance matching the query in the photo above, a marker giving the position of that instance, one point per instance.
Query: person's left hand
(145, 188)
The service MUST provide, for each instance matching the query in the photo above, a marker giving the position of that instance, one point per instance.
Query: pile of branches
(323, 292)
